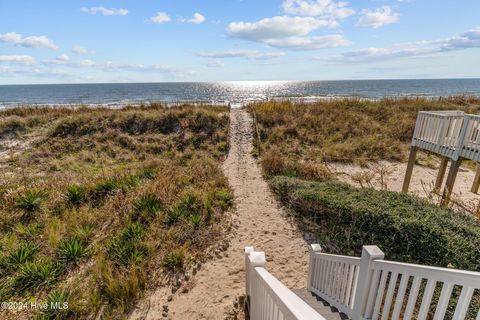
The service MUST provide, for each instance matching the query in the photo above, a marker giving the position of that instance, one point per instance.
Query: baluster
(463, 303)
(443, 301)
(388, 300)
(427, 299)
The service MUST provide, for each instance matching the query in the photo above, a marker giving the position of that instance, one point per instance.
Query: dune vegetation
(97, 205)
(297, 142)
(296, 139)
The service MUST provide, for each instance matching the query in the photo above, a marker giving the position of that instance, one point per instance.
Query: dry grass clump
(295, 135)
(102, 198)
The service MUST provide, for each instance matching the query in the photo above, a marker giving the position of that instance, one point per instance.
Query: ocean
(234, 92)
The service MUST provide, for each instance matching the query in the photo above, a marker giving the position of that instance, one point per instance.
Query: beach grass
(97, 205)
(299, 139)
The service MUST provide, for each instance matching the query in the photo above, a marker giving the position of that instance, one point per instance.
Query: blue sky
(77, 41)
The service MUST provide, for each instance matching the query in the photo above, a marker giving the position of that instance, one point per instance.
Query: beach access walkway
(214, 292)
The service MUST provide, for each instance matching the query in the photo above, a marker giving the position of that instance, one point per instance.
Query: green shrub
(405, 227)
(36, 274)
(72, 250)
(174, 215)
(224, 198)
(29, 204)
(146, 207)
(60, 305)
(76, 195)
(127, 249)
(23, 254)
(196, 221)
(174, 260)
(105, 188)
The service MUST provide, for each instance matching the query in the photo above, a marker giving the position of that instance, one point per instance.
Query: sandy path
(259, 221)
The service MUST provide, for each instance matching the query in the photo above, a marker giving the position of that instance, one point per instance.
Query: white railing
(333, 278)
(470, 147)
(452, 134)
(438, 131)
(391, 281)
(391, 290)
(268, 298)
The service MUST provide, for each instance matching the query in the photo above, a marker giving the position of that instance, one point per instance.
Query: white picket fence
(364, 288)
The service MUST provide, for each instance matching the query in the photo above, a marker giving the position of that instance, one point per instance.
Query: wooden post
(441, 174)
(452, 176)
(313, 248)
(365, 273)
(476, 181)
(248, 251)
(408, 173)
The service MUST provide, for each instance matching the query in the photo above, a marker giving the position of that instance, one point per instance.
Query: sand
(259, 221)
(423, 179)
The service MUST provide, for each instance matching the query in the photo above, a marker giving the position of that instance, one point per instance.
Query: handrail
(268, 298)
(389, 289)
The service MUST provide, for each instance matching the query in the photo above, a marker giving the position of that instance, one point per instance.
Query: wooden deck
(454, 136)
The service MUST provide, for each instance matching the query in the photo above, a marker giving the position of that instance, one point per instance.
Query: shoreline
(225, 103)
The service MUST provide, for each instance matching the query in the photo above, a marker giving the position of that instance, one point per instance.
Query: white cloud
(215, 64)
(105, 11)
(160, 18)
(20, 59)
(466, 40)
(314, 42)
(378, 17)
(275, 27)
(79, 50)
(241, 53)
(62, 58)
(86, 63)
(287, 32)
(318, 8)
(31, 41)
(196, 19)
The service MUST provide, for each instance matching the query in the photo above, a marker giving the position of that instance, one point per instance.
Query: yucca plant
(190, 203)
(196, 221)
(133, 231)
(76, 195)
(104, 189)
(174, 215)
(174, 260)
(127, 252)
(22, 254)
(72, 250)
(35, 274)
(60, 305)
(127, 248)
(29, 204)
(146, 207)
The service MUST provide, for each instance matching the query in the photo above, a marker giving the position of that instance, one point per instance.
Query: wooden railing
(268, 298)
(372, 288)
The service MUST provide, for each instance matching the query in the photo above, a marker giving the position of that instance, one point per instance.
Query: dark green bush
(127, 249)
(36, 274)
(23, 254)
(72, 250)
(76, 195)
(405, 227)
(145, 208)
(29, 204)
